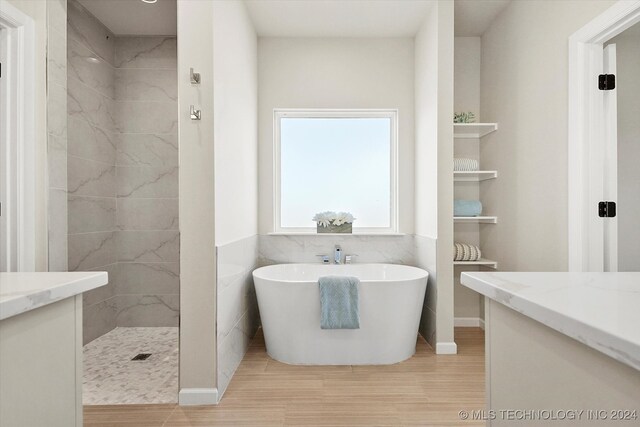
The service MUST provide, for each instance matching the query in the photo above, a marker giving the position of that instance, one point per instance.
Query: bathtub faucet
(337, 255)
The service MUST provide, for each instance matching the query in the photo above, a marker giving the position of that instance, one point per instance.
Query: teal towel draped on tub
(339, 302)
(467, 208)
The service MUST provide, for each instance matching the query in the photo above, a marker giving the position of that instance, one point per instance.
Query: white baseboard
(198, 396)
(468, 322)
(446, 348)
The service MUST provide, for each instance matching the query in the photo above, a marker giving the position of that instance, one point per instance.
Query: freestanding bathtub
(391, 299)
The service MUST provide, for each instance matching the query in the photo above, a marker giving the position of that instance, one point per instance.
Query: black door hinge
(606, 81)
(607, 209)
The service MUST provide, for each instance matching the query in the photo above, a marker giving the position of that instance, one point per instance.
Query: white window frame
(392, 114)
(17, 140)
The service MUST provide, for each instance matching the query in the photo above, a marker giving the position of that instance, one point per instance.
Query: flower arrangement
(468, 117)
(334, 222)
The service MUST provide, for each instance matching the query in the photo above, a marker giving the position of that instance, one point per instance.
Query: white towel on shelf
(466, 252)
(460, 165)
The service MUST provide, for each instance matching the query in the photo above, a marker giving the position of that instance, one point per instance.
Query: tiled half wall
(237, 312)
(277, 249)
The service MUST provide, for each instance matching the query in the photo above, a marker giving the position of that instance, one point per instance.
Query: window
(335, 160)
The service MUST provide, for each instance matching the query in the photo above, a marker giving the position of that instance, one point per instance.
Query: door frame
(587, 143)
(18, 181)
(610, 171)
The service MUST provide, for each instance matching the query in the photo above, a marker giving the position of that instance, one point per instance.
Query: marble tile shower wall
(146, 101)
(91, 167)
(122, 169)
(57, 134)
(237, 307)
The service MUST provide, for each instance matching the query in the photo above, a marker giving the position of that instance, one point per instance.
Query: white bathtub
(391, 299)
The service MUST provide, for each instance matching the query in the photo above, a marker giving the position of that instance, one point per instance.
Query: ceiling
(304, 18)
(331, 18)
(135, 17)
(474, 17)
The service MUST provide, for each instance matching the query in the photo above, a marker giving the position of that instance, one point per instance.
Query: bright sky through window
(335, 164)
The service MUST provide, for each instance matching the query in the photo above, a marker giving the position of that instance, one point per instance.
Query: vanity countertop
(601, 310)
(22, 292)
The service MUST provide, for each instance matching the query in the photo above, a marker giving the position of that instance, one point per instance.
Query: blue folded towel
(339, 302)
(467, 208)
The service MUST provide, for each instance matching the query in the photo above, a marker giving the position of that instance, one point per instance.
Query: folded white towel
(466, 252)
(460, 165)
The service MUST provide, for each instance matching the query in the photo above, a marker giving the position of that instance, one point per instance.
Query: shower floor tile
(111, 377)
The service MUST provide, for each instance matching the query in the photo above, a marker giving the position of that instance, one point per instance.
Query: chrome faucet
(337, 255)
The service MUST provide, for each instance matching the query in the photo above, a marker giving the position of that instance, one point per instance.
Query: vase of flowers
(334, 222)
(466, 117)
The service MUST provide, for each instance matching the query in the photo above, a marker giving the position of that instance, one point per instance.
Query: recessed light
(149, 1)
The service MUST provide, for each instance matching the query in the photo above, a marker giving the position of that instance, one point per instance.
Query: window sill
(309, 233)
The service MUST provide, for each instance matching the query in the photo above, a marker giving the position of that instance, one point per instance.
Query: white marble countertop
(22, 292)
(601, 310)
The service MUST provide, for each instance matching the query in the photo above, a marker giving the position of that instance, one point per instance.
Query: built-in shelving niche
(474, 131)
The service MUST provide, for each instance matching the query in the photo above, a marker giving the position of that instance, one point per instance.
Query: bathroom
(170, 153)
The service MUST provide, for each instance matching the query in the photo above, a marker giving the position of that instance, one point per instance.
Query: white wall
(218, 180)
(467, 98)
(426, 168)
(426, 120)
(197, 206)
(434, 48)
(524, 89)
(235, 75)
(466, 93)
(628, 91)
(335, 73)
(444, 245)
(235, 83)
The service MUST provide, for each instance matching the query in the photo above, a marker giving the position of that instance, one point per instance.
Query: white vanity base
(531, 366)
(41, 347)
(41, 366)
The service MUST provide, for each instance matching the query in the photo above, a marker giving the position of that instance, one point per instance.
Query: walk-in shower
(122, 170)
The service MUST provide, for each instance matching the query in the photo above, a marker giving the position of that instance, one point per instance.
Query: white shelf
(483, 262)
(473, 130)
(476, 219)
(474, 176)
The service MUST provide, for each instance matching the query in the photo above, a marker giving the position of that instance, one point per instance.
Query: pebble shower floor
(111, 377)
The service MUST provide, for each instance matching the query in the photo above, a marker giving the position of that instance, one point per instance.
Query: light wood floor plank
(426, 390)
(127, 415)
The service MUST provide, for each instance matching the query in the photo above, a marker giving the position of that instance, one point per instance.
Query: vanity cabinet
(560, 348)
(41, 347)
